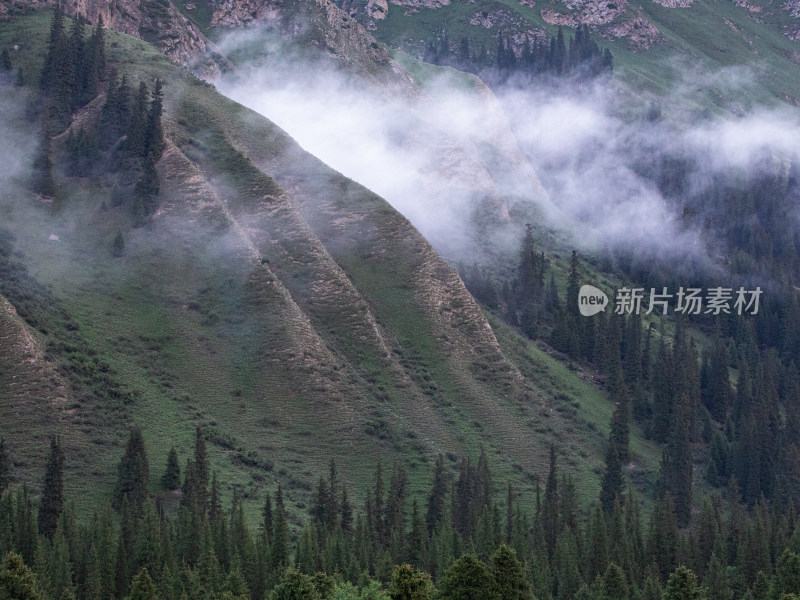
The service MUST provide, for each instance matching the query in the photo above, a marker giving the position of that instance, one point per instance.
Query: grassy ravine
(292, 313)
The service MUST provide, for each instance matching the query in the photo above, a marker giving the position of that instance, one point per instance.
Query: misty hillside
(264, 283)
(291, 306)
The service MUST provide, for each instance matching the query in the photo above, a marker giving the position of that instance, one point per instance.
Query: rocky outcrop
(674, 3)
(421, 3)
(586, 12)
(640, 33)
(377, 9)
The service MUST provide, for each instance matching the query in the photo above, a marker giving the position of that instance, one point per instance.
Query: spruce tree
(5, 467)
(409, 583)
(171, 480)
(17, 581)
(154, 133)
(201, 468)
(295, 586)
(279, 548)
(52, 502)
(142, 587)
(146, 202)
(614, 585)
(43, 182)
(468, 579)
(611, 486)
(509, 575)
(682, 585)
(550, 521)
(138, 124)
(133, 474)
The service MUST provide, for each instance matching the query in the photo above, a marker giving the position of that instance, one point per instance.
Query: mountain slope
(291, 312)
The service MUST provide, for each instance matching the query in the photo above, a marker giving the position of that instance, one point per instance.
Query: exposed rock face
(641, 34)
(422, 3)
(675, 3)
(377, 9)
(586, 12)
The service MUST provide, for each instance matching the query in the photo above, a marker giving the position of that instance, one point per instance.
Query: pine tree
(468, 579)
(133, 474)
(566, 566)
(509, 575)
(116, 113)
(146, 202)
(201, 468)
(17, 581)
(5, 467)
(677, 469)
(437, 496)
(43, 182)
(52, 502)
(171, 480)
(346, 522)
(142, 587)
(268, 522)
(682, 585)
(614, 585)
(612, 479)
(59, 568)
(295, 586)
(138, 124)
(279, 548)
(410, 584)
(550, 521)
(620, 427)
(154, 133)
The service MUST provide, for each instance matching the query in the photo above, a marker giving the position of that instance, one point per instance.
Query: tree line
(555, 55)
(463, 540)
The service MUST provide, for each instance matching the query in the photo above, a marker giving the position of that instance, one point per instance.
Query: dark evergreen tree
(171, 479)
(5, 467)
(509, 575)
(279, 548)
(295, 586)
(611, 487)
(154, 133)
(614, 585)
(142, 587)
(550, 521)
(138, 124)
(436, 498)
(52, 502)
(467, 579)
(682, 585)
(409, 583)
(146, 202)
(116, 113)
(17, 581)
(43, 182)
(133, 474)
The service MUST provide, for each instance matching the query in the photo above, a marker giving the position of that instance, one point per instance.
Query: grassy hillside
(292, 313)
